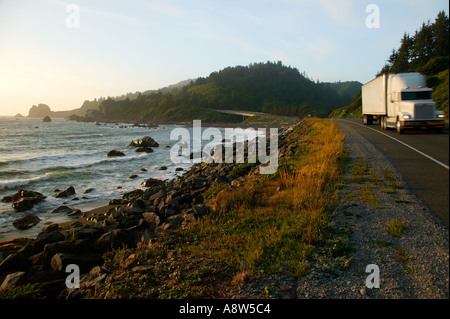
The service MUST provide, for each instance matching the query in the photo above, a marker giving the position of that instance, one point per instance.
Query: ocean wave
(84, 135)
(91, 163)
(14, 183)
(58, 171)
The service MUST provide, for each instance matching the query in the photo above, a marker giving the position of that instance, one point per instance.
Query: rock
(26, 221)
(146, 141)
(60, 261)
(25, 200)
(164, 229)
(89, 190)
(117, 201)
(115, 153)
(62, 210)
(50, 228)
(24, 204)
(40, 110)
(113, 239)
(163, 168)
(175, 222)
(178, 169)
(93, 279)
(65, 246)
(132, 194)
(14, 262)
(13, 279)
(133, 176)
(43, 239)
(7, 199)
(144, 150)
(200, 210)
(152, 182)
(46, 119)
(152, 220)
(68, 192)
(138, 206)
(12, 246)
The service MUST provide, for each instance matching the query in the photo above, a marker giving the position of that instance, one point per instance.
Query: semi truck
(400, 101)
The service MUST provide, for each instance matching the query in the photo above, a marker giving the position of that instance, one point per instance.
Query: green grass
(395, 226)
(369, 197)
(242, 169)
(266, 226)
(28, 291)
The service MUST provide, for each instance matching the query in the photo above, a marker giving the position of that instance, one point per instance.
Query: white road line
(403, 143)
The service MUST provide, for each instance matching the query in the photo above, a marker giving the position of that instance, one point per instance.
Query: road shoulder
(414, 265)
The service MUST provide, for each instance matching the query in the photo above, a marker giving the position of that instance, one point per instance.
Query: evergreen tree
(441, 34)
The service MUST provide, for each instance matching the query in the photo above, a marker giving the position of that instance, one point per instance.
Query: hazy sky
(128, 46)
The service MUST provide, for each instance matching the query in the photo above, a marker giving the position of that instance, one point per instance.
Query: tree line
(269, 87)
(427, 52)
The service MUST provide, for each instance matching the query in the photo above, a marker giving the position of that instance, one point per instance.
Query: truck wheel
(398, 125)
(383, 122)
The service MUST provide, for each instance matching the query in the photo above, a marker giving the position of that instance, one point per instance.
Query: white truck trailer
(401, 101)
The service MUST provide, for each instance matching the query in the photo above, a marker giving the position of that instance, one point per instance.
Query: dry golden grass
(269, 226)
(265, 226)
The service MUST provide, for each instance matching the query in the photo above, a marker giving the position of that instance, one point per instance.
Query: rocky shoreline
(140, 216)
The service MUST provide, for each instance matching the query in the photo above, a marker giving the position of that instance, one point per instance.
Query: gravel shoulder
(412, 266)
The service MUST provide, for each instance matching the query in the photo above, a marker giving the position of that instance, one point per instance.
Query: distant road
(259, 114)
(421, 157)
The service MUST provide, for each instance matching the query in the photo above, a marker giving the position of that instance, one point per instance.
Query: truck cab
(410, 104)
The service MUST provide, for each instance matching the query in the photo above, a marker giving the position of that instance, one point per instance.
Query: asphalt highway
(421, 157)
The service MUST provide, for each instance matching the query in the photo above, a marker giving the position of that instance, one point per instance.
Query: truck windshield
(422, 95)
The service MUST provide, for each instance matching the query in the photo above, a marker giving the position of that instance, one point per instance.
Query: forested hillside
(427, 52)
(263, 87)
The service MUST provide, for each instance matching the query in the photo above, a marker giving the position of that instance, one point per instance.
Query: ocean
(48, 156)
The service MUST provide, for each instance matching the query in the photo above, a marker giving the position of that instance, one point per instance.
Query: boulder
(144, 150)
(7, 199)
(14, 262)
(46, 119)
(132, 194)
(24, 204)
(200, 211)
(25, 200)
(113, 239)
(44, 238)
(138, 206)
(146, 141)
(86, 262)
(62, 210)
(13, 279)
(115, 153)
(26, 221)
(151, 219)
(68, 192)
(152, 182)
